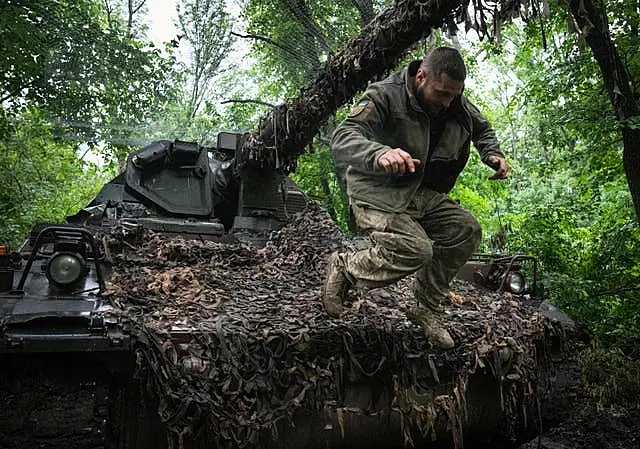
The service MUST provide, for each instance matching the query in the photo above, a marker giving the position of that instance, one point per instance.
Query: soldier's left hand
(500, 165)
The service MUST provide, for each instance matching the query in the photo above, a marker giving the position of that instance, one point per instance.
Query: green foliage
(241, 91)
(95, 82)
(485, 199)
(610, 377)
(293, 38)
(72, 79)
(43, 177)
(568, 202)
(206, 26)
(316, 176)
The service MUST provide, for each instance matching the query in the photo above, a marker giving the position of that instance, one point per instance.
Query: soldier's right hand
(398, 161)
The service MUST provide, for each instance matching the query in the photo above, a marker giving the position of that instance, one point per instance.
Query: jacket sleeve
(483, 136)
(356, 140)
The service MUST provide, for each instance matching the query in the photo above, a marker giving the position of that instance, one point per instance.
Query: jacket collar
(408, 76)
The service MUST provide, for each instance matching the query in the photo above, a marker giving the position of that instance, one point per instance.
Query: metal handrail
(61, 231)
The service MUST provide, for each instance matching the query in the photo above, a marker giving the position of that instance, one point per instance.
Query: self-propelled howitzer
(181, 306)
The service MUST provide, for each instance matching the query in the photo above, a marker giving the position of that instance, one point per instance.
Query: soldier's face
(436, 94)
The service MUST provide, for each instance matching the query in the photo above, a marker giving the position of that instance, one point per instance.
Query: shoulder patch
(356, 110)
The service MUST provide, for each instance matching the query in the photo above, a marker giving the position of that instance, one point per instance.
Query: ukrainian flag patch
(356, 110)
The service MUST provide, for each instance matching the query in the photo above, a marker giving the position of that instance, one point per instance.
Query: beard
(431, 108)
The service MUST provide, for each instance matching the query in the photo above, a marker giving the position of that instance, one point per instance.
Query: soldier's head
(440, 79)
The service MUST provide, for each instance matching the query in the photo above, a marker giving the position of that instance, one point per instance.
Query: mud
(591, 429)
(49, 402)
(573, 421)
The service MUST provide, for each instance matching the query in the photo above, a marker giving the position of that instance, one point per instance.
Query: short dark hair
(446, 60)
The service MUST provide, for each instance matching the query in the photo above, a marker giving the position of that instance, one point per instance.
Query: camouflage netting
(233, 340)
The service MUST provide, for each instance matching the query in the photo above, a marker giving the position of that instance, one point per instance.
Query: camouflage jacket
(388, 116)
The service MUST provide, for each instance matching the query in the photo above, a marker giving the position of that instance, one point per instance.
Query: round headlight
(65, 269)
(516, 282)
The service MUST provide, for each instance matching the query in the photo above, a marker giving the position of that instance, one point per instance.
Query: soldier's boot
(428, 314)
(432, 326)
(336, 286)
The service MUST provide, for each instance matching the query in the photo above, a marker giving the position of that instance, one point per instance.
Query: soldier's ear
(420, 75)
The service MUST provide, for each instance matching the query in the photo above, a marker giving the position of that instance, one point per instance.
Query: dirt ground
(50, 404)
(589, 428)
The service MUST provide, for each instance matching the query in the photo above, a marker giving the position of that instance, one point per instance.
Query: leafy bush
(43, 177)
(610, 377)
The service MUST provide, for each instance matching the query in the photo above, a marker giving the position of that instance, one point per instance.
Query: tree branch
(107, 8)
(137, 8)
(17, 91)
(617, 291)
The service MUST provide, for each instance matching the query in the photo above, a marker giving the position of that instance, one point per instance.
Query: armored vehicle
(181, 308)
(175, 188)
(54, 320)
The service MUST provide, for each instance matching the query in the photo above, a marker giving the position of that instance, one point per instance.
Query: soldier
(400, 151)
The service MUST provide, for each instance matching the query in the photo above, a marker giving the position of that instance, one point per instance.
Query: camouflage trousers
(433, 238)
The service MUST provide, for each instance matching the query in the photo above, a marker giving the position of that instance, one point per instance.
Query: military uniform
(414, 225)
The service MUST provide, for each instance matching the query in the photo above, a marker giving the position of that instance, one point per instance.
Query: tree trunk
(595, 29)
(631, 160)
(283, 136)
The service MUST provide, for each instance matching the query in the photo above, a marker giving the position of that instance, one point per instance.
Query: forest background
(82, 85)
